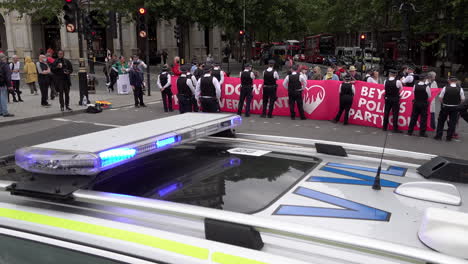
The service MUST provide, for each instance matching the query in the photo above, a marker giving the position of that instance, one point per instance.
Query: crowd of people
(52, 75)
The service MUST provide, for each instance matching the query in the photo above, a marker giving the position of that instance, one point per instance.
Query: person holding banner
(451, 97)
(208, 91)
(392, 100)
(247, 77)
(347, 91)
(164, 83)
(185, 90)
(270, 76)
(422, 93)
(295, 83)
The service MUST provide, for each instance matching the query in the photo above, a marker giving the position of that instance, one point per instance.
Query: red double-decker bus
(318, 47)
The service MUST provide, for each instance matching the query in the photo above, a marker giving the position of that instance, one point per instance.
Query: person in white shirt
(409, 79)
(208, 91)
(431, 82)
(247, 77)
(185, 90)
(392, 100)
(422, 94)
(270, 76)
(295, 83)
(374, 77)
(164, 84)
(15, 67)
(451, 97)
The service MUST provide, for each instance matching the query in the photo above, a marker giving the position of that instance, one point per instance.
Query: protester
(136, 82)
(374, 77)
(5, 85)
(431, 82)
(340, 70)
(53, 91)
(347, 91)
(62, 68)
(330, 75)
(113, 72)
(31, 74)
(164, 84)
(316, 74)
(44, 72)
(15, 67)
(355, 76)
(176, 66)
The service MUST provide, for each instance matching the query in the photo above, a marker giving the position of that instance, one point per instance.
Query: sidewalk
(31, 109)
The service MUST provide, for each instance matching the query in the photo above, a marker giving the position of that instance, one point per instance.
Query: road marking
(317, 127)
(114, 109)
(266, 122)
(358, 131)
(84, 122)
(157, 102)
(278, 123)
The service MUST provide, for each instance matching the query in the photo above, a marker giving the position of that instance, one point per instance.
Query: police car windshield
(210, 175)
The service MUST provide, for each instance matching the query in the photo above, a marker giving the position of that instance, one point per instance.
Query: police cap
(247, 65)
(165, 67)
(453, 78)
(347, 77)
(392, 71)
(206, 68)
(271, 62)
(184, 68)
(295, 67)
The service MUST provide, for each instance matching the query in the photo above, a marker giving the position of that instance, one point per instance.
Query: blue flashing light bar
(112, 156)
(93, 153)
(167, 141)
(169, 189)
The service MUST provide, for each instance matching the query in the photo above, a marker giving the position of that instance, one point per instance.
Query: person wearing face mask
(44, 72)
(451, 97)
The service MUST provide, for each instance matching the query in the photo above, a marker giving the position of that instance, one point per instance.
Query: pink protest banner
(321, 101)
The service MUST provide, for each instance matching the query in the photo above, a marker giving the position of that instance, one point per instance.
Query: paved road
(21, 135)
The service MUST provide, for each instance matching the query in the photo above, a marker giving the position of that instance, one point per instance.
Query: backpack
(94, 109)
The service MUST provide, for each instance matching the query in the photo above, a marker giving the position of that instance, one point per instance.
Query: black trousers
(113, 79)
(44, 84)
(345, 105)
(269, 98)
(419, 111)
(245, 95)
(209, 105)
(138, 95)
(53, 91)
(295, 97)
(391, 104)
(63, 88)
(450, 112)
(16, 89)
(194, 104)
(185, 103)
(167, 99)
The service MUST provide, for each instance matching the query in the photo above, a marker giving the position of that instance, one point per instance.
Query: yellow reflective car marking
(222, 258)
(124, 235)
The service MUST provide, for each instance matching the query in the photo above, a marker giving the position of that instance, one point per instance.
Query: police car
(166, 191)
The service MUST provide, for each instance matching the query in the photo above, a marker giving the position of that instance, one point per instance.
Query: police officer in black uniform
(270, 76)
(164, 83)
(208, 91)
(422, 93)
(347, 91)
(185, 90)
(451, 96)
(247, 77)
(392, 100)
(218, 73)
(295, 83)
(194, 83)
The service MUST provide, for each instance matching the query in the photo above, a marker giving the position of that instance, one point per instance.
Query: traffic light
(141, 21)
(69, 9)
(362, 40)
(90, 23)
(241, 34)
(177, 32)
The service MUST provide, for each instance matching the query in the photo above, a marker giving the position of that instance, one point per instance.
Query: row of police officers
(207, 90)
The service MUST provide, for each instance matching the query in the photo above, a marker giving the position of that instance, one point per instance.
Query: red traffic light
(241, 32)
(142, 10)
(68, 1)
(363, 36)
